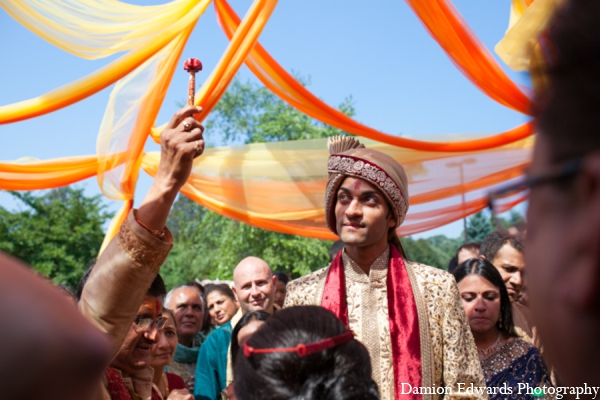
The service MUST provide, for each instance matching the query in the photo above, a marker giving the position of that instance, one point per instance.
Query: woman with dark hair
(220, 303)
(307, 353)
(166, 385)
(247, 325)
(505, 358)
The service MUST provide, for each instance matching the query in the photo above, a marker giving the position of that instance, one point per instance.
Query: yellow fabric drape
(95, 29)
(28, 174)
(82, 88)
(527, 22)
(239, 47)
(281, 186)
(121, 132)
(277, 186)
(477, 62)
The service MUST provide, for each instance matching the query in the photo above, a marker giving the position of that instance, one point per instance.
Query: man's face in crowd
(134, 354)
(510, 263)
(362, 214)
(466, 254)
(254, 285)
(187, 308)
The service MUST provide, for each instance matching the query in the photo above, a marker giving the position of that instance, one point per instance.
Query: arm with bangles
(123, 273)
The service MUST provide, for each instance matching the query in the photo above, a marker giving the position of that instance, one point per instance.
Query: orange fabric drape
(280, 82)
(280, 186)
(239, 47)
(84, 87)
(452, 33)
(261, 185)
(48, 174)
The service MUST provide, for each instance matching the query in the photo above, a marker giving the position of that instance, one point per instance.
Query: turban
(349, 157)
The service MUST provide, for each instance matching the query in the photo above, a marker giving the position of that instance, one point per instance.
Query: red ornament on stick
(192, 65)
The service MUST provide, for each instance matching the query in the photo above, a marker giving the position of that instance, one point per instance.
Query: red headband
(304, 349)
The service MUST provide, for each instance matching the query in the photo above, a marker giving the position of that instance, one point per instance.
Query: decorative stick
(192, 65)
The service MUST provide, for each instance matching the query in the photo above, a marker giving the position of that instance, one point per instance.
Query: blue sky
(377, 52)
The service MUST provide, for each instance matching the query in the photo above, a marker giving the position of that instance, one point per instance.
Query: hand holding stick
(192, 65)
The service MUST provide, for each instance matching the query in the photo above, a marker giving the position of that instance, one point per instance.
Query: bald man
(254, 287)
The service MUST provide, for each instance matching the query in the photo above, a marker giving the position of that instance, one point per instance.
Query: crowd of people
(516, 317)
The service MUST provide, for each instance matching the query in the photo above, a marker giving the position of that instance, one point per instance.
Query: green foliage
(208, 245)
(57, 233)
(513, 219)
(478, 227)
(435, 251)
(249, 113)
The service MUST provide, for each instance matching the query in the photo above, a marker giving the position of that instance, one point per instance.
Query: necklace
(166, 383)
(484, 353)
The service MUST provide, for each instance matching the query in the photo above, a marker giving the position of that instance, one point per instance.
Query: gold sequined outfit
(448, 352)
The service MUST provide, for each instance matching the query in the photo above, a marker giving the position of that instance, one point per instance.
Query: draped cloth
(403, 318)
(115, 386)
(514, 363)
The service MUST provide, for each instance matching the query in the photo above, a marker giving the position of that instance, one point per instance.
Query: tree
(58, 233)
(208, 245)
(478, 227)
(435, 251)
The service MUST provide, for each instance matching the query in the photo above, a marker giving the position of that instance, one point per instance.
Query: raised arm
(127, 267)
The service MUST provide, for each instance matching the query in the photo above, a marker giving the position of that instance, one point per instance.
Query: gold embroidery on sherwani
(452, 349)
(368, 317)
(139, 250)
(307, 290)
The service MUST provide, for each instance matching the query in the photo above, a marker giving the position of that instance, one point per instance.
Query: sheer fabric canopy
(276, 186)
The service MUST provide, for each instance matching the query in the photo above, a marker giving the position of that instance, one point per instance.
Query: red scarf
(116, 387)
(402, 313)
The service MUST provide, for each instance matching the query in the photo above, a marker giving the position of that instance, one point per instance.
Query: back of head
(486, 270)
(341, 372)
(495, 241)
(245, 320)
(566, 109)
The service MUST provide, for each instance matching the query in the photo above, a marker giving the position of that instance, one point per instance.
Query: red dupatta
(116, 388)
(402, 314)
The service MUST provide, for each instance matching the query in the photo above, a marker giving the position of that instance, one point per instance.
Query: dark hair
(281, 277)
(341, 372)
(495, 241)
(452, 264)
(222, 288)
(335, 248)
(485, 269)
(245, 320)
(566, 109)
(471, 246)
(157, 288)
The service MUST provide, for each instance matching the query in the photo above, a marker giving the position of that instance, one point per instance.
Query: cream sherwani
(448, 352)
